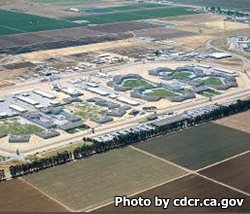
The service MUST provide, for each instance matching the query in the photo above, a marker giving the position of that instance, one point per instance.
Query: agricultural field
(14, 127)
(135, 15)
(238, 121)
(86, 111)
(17, 196)
(15, 23)
(243, 5)
(88, 183)
(234, 172)
(136, 83)
(161, 93)
(200, 146)
(192, 186)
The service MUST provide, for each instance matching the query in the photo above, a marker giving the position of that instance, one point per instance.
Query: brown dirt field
(12, 74)
(163, 33)
(16, 196)
(235, 172)
(5, 84)
(192, 186)
(238, 121)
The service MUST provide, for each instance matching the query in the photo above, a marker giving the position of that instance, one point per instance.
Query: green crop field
(124, 8)
(161, 93)
(95, 181)
(213, 81)
(181, 75)
(15, 22)
(14, 127)
(199, 146)
(135, 15)
(136, 83)
(210, 93)
(232, 4)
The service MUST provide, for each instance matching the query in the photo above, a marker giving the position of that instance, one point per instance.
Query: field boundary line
(12, 28)
(138, 192)
(224, 160)
(47, 195)
(223, 184)
(162, 159)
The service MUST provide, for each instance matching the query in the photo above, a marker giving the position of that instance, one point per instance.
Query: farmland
(14, 23)
(191, 185)
(235, 172)
(198, 147)
(94, 181)
(135, 15)
(232, 4)
(181, 75)
(17, 196)
(16, 128)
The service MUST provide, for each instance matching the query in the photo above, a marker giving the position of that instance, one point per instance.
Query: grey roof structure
(117, 112)
(19, 139)
(48, 134)
(169, 120)
(72, 125)
(102, 119)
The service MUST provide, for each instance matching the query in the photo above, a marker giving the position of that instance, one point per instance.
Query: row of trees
(2, 175)
(97, 147)
(40, 164)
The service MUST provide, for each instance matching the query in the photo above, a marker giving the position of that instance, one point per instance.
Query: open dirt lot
(17, 196)
(200, 146)
(235, 172)
(91, 182)
(192, 186)
(238, 121)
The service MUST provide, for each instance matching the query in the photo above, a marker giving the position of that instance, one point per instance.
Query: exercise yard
(213, 81)
(14, 127)
(135, 83)
(181, 75)
(86, 111)
(161, 93)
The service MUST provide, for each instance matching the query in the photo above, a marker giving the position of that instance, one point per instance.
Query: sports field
(136, 83)
(12, 126)
(161, 93)
(15, 22)
(90, 182)
(135, 15)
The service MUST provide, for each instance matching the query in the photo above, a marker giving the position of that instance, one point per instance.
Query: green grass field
(181, 75)
(213, 81)
(199, 146)
(124, 8)
(161, 93)
(135, 15)
(13, 127)
(15, 22)
(96, 180)
(86, 111)
(136, 83)
(210, 93)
